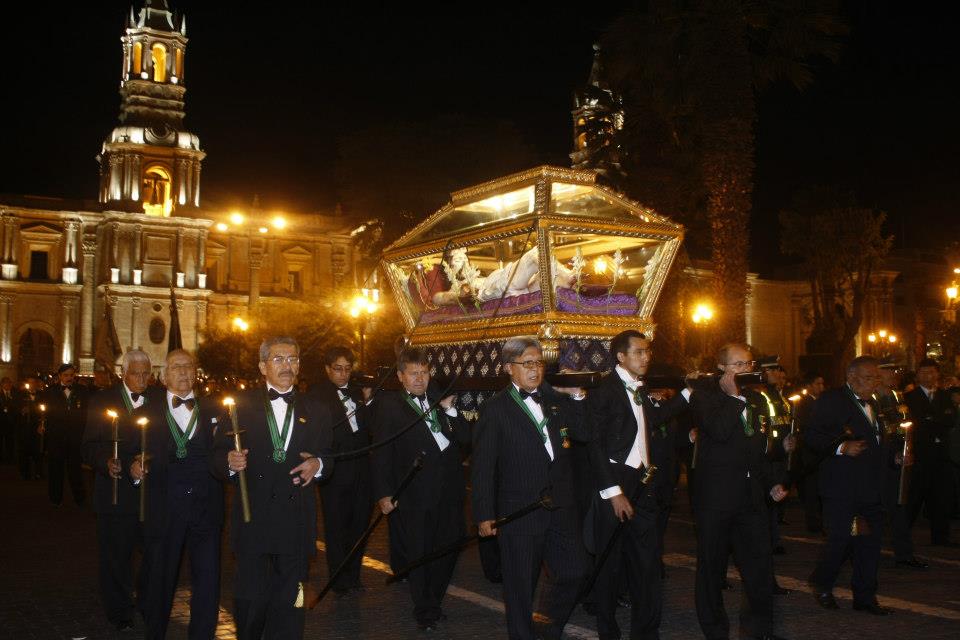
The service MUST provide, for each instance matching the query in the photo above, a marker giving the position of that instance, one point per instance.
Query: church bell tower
(597, 122)
(150, 161)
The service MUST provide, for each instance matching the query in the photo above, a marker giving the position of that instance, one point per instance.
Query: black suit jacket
(349, 470)
(9, 408)
(441, 478)
(613, 429)
(161, 461)
(933, 420)
(65, 418)
(726, 454)
(511, 467)
(98, 449)
(858, 480)
(283, 515)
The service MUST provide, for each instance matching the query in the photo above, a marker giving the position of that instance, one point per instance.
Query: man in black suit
(808, 472)
(851, 484)
(184, 502)
(522, 448)
(66, 405)
(345, 497)
(29, 447)
(430, 511)
(732, 482)
(626, 443)
(285, 448)
(931, 482)
(118, 526)
(8, 421)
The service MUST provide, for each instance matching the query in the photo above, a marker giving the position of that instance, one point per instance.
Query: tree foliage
(841, 244)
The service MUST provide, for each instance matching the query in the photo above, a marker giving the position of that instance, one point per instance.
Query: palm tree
(690, 72)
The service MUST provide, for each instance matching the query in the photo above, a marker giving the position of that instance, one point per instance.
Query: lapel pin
(303, 420)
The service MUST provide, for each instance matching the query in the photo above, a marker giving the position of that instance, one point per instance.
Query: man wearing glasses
(345, 498)
(285, 441)
(118, 527)
(851, 481)
(625, 443)
(731, 484)
(521, 448)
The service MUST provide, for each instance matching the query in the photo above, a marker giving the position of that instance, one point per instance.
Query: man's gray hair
(132, 356)
(862, 361)
(269, 342)
(514, 348)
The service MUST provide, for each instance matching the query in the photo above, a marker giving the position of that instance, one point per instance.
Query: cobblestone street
(48, 586)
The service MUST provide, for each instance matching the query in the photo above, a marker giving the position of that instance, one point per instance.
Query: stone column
(87, 302)
(256, 260)
(69, 305)
(6, 328)
(201, 323)
(201, 254)
(135, 322)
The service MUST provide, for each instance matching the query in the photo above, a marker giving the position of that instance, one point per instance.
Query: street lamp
(881, 338)
(701, 317)
(362, 308)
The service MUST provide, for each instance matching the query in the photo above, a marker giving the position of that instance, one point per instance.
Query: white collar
(170, 395)
(625, 375)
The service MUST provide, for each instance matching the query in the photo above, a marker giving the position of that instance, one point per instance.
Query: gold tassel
(298, 604)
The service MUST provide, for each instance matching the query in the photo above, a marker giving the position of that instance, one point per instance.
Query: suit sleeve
(94, 450)
(322, 445)
(824, 428)
(382, 458)
(483, 466)
(222, 445)
(662, 412)
(718, 413)
(597, 411)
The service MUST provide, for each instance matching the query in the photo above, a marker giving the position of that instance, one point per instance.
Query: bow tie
(136, 396)
(422, 398)
(533, 395)
(189, 403)
(274, 394)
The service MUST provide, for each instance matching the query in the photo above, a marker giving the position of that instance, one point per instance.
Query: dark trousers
(161, 569)
(426, 529)
(559, 551)
(28, 454)
(118, 535)
(346, 514)
(634, 555)
(65, 463)
(897, 515)
(747, 532)
(931, 486)
(398, 559)
(838, 517)
(7, 441)
(489, 550)
(809, 488)
(266, 596)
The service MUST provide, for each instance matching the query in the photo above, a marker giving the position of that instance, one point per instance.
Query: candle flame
(142, 422)
(43, 407)
(112, 413)
(906, 425)
(228, 402)
(794, 397)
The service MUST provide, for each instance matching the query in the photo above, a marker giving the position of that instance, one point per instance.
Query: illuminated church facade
(62, 262)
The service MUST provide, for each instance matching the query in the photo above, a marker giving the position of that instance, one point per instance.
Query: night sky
(272, 89)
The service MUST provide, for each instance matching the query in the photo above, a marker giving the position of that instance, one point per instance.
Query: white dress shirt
(138, 403)
(181, 414)
(442, 441)
(350, 407)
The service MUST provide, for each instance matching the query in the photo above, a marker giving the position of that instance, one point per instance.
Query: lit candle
(116, 453)
(244, 495)
(143, 465)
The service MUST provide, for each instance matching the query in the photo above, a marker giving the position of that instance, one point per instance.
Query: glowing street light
(241, 325)
(236, 218)
(702, 313)
(222, 226)
(279, 222)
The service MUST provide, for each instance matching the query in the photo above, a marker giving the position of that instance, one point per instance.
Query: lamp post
(881, 341)
(362, 308)
(241, 326)
(701, 317)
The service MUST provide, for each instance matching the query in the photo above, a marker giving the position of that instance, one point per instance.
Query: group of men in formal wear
(573, 486)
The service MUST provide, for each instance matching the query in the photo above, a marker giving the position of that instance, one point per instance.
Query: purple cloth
(617, 304)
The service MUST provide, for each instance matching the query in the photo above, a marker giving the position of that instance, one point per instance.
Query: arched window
(137, 59)
(159, 63)
(179, 64)
(157, 200)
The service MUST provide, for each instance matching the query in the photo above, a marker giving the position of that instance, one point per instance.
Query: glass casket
(546, 252)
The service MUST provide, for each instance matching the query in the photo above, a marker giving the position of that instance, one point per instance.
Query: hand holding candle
(239, 458)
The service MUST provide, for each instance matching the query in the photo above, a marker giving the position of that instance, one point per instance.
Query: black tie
(533, 395)
(136, 396)
(188, 403)
(274, 394)
(422, 398)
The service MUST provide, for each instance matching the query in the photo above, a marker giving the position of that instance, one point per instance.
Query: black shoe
(781, 591)
(779, 550)
(913, 563)
(426, 625)
(623, 601)
(826, 600)
(873, 608)
(124, 625)
(725, 585)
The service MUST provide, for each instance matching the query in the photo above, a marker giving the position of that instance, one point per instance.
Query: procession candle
(143, 465)
(116, 453)
(904, 471)
(793, 424)
(43, 423)
(244, 496)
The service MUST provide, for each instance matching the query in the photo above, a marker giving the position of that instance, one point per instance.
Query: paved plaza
(48, 586)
